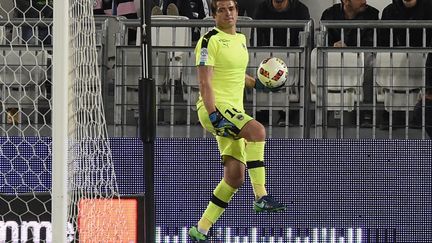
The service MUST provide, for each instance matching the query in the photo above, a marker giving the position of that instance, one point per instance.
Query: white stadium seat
(343, 79)
(400, 78)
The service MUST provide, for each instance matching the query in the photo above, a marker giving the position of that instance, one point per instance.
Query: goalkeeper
(221, 59)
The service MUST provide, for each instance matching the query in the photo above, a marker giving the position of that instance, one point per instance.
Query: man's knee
(235, 181)
(253, 131)
(234, 172)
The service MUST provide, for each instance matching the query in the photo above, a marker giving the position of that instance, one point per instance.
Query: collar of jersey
(225, 34)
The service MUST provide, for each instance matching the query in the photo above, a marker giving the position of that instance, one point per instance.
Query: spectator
(156, 3)
(280, 9)
(406, 10)
(198, 9)
(127, 9)
(354, 10)
(249, 7)
(156, 10)
(102, 7)
(193, 9)
(350, 10)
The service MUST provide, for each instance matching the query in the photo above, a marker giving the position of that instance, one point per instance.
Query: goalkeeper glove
(222, 126)
(261, 86)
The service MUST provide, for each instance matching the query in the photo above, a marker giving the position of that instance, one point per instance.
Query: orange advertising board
(108, 220)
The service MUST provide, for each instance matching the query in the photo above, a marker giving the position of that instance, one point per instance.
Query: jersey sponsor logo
(224, 42)
(203, 55)
(240, 117)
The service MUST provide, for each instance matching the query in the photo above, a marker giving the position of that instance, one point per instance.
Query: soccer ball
(272, 72)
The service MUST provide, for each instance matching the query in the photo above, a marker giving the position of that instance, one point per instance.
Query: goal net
(29, 112)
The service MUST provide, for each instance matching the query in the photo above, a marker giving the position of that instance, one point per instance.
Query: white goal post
(79, 131)
(60, 130)
(54, 147)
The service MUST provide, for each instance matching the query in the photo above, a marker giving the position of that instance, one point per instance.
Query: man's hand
(261, 86)
(222, 126)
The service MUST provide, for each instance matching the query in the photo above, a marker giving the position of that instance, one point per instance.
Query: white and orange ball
(272, 72)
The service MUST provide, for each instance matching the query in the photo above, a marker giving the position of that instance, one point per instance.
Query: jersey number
(231, 113)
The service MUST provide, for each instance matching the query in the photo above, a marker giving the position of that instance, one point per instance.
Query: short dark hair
(213, 5)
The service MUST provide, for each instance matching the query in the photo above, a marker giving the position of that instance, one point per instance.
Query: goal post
(61, 77)
(57, 177)
(86, 179)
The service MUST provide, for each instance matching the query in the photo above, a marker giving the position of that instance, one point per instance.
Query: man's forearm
(207, 96)
(205, 75)
(249, 81)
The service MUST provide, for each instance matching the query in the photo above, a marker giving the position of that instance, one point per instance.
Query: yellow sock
(256, 169)
(222, 194)
(259, 190)
(204, 225)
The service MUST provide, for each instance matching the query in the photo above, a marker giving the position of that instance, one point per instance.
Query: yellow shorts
(227, 146)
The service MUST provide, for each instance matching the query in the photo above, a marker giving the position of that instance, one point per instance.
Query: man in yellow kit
(221, 59)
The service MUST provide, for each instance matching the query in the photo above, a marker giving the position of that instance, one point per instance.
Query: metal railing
(394, 79)
(322, 103)
(26, 57)
(174, 73)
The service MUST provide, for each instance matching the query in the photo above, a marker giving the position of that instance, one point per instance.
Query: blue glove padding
(261, 86)
(222, 126)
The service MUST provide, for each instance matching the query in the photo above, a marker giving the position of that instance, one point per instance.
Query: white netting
(25, 128)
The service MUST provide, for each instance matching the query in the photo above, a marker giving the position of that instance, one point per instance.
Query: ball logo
(278, 75)
(264, 72)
